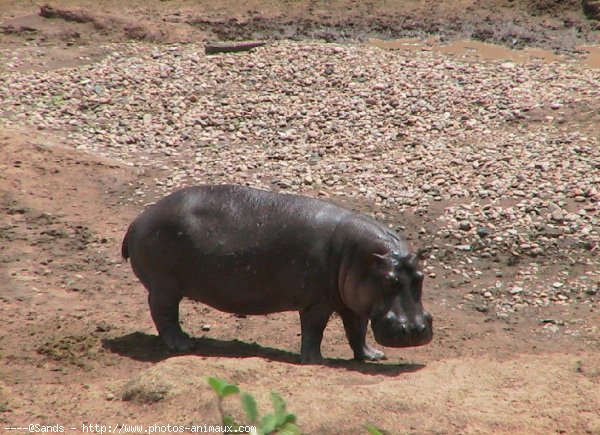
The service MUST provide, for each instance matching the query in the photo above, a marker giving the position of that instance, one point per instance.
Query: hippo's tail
(124, 245)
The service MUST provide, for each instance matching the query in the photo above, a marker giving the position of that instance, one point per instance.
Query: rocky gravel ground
(482, 146)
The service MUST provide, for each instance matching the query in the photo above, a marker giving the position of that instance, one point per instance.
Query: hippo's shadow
(150, 348)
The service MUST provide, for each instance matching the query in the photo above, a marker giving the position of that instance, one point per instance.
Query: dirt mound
(545, 23)
(130, 29)
(170, 378)
(512, 396)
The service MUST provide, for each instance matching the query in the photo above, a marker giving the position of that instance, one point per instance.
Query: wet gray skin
(249, 251)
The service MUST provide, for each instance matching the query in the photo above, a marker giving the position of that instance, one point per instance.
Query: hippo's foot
(177, 341)
(370, 354)
(312, 359)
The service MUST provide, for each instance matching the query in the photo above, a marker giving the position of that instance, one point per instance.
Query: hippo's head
(397, 315)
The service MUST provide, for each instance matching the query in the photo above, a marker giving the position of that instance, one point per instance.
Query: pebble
(557, 215)
(465, 225)
(516, 290)
(483, 232)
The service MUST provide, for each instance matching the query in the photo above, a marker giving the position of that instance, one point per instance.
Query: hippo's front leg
(313, 321)
(356, 332)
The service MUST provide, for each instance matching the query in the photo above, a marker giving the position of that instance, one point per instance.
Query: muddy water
(590, 56)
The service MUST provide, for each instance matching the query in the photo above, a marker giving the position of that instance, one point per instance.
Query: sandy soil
(77, 343)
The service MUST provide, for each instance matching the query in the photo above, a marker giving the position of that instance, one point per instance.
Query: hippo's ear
(411, 263)
(413, 260)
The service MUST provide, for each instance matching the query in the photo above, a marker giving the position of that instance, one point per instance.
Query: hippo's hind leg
(164, 307)
(356, 332)
(313, 321)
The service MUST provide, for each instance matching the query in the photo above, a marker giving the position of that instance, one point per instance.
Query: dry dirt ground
(77, 344)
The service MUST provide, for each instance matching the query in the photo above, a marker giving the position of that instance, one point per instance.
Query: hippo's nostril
(419, 328)
(428, 316)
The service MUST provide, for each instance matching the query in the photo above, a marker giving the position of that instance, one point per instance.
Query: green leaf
(278, 403)
(268, 423)
(229, 421)
(289, 429)
(250, 408)
(223, 388)
(229, 389)
(373, 430)
(288, 418)
(217, 385)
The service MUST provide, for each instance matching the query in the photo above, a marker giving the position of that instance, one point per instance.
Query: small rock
(102, 327)
(553, 207)
(165, 72)
(516, 290)
(483, 232)
(557, 216)
(206, 327)
(553, 328)
(536, 252)
(557, 284)
(465, 225)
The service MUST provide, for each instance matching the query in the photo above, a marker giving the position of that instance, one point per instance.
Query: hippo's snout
(393, 331)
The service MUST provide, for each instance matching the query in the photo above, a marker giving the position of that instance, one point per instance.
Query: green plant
(279, 422)
(373, 430)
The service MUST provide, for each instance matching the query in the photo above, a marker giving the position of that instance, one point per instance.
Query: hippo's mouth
(405, 340)
(395, 334)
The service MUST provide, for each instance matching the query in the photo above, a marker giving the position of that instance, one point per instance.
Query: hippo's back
(227, 219)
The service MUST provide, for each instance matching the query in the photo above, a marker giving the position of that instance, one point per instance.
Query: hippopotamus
(248, 251)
